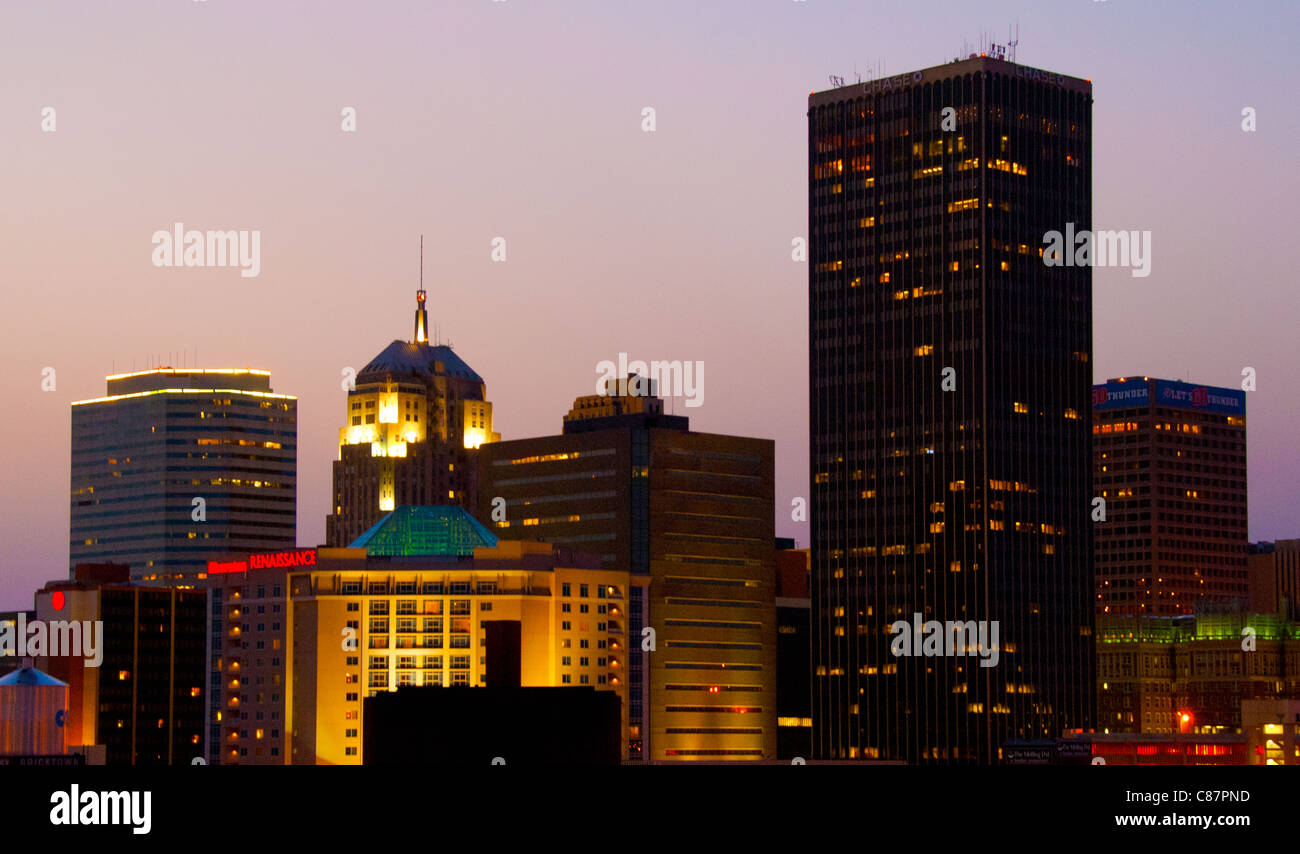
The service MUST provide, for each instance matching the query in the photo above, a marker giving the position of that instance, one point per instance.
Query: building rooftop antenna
(421, 316)
(1012, 42)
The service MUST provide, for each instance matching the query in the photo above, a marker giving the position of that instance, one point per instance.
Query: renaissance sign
(269, 560)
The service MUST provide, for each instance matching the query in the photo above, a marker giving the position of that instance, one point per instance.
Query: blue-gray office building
(175, 466)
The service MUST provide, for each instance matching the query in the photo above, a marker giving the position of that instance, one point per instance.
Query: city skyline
(339, 261)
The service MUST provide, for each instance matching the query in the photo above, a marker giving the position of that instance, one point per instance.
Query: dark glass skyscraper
(163, 438)
(950, 383)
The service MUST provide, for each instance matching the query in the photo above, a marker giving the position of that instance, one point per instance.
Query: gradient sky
(521, 119)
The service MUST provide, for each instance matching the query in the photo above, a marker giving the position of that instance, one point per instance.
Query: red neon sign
(218, 567)
(277, 560)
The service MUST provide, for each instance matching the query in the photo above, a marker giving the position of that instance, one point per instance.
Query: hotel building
(175, 466)
(414, 417)
(949, 381)
(406, 604)
(1170, 464)
(688, 514)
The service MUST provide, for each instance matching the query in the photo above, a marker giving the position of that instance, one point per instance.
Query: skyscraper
(176, 466)
(414, 418)
(691, 514)
(949, 382)
(1170, 462)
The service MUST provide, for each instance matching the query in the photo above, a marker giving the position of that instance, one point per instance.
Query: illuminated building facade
(407, 604)
(161, 440)
(1160, 675)
(145, 701)
(949, 382)
(1170, 463)
(1272, 730)
(414, 419)
(691, 516)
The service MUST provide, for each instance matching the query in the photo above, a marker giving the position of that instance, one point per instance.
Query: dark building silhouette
(503, 652)
(431, 726)
(1170, 464)
(949, 383)
(793, 652)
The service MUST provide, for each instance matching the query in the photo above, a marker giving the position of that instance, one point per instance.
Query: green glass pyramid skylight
(412, 531)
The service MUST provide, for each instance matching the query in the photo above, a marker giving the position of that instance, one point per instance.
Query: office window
(582, 591)
(564, 589)
(566, 608)
(566, 660)
(582, 609)
(565, 626)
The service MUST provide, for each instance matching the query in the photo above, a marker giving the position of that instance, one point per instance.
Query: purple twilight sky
(519, 119)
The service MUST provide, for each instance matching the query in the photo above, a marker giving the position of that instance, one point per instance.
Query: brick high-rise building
(692, 515)
(949, 381)
(1170, 463)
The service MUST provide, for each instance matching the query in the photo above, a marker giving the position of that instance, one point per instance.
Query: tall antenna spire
(421, 316)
